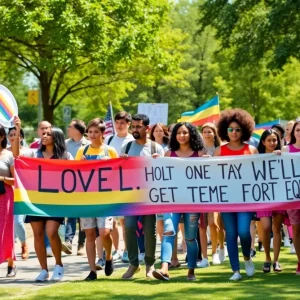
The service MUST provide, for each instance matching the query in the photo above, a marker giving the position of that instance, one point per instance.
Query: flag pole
(112, 116)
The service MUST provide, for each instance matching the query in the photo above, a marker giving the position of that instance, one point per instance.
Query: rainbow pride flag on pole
(260, 128)
(208, 112)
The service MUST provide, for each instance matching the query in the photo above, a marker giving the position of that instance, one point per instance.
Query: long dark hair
(165, 130)
(59, 145)
(293, 138)
(196, 141)
(261, 148)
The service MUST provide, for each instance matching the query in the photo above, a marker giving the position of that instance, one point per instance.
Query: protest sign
(157, 112)
(141, 185)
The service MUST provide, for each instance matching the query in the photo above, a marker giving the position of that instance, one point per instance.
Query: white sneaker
(204, 263)
(222, 255)
(249, 267)
(43, 276)
(271, 243)
(293, 251)
(286, 242)
(216, 259)
(58, 273)
(236, 277)
(142, 257)
(116, 256)
(49, 252)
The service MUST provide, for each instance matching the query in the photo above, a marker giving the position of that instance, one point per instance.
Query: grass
(211, 283)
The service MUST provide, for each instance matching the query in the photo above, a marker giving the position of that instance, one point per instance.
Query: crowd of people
(134, 137)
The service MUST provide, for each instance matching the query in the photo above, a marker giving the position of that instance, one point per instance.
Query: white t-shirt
(118, 142)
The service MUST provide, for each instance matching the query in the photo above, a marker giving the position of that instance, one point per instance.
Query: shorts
(29, 219)
(101, 222)
(261, 214)
(294, 216)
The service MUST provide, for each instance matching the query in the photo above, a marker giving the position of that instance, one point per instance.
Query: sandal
(160, 275)
(277, 267)
(267, 267)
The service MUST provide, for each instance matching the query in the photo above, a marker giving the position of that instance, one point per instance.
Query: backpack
(110, 139)
(86, 148)
(153, 147)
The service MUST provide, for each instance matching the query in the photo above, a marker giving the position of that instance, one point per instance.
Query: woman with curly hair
(269, 143)
(185, 142)
(211, 142)
(294, 214)
(236, 126)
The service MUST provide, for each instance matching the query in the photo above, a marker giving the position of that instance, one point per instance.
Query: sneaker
(298, 269)
(222, 255)
(252, 253)
(216, 259)
(66, 247)
(125, 258)
(293, 251)
(116, 256)
(11, 272)
(91, 276)
(142, 257)
(80, 250)
(24, 252)
(286, 242)
(100, 264)
(236, 277)
(49, 252)
(58, 273)
(204, 263)
(109, 267)
(249, 267)
(131, 271)
(43, 276)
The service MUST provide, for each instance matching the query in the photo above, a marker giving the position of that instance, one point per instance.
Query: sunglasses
(230, 129)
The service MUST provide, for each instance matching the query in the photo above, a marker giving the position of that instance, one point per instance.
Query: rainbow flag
(260, 128)
(208, 112)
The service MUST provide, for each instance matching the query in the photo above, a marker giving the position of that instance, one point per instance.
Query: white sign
(157, 112)
(67, 114)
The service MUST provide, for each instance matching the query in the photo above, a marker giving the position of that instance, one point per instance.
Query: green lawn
(211, 283)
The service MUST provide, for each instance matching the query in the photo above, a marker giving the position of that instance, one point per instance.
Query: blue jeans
(20, 228)
(71, 230)
(171, 221)
(149, 225)
(237, 224)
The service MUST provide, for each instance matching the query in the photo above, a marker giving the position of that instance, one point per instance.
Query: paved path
(76, 267)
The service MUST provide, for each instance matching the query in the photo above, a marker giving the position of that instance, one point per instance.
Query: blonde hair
(212, 126)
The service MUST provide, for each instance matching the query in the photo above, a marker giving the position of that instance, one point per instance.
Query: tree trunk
(48, 107)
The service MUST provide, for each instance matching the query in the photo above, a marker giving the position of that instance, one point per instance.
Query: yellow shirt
(96, 153)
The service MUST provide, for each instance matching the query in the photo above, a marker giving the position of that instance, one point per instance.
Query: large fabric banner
(142, 185)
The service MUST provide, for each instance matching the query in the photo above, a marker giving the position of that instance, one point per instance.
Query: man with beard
(141, 146)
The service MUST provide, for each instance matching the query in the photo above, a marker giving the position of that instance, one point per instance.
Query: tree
(255, 28)
(72, 46)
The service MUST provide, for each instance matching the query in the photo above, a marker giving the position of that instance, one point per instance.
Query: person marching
(185, 142)
(236, 126)
(294, 214)
(141, 146)
(52, 146)
(94, 151)
(270, 143)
